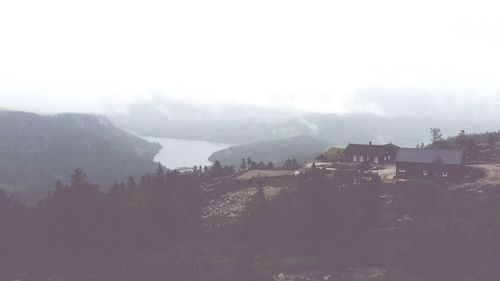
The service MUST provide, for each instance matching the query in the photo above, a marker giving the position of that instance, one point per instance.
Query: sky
(324, 56)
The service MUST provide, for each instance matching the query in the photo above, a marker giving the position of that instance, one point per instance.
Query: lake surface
(177, 153)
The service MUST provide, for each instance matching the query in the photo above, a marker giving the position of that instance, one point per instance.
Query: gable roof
(428, 156)
(322, 158)
(371, 149)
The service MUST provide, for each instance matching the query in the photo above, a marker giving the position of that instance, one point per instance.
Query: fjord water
(178, 153)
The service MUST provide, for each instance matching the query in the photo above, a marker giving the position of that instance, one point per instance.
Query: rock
(365, 273)
(305, 276)
(280, 277)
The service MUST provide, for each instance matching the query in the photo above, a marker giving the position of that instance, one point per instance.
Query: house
(322, 158)
(371, 153)
(430, 164)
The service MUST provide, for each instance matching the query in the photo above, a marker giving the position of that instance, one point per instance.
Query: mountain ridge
(37, 150)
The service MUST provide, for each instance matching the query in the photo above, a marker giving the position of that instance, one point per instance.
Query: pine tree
(243, 165)
(216, 170)
(131, 184)
(229, 170)
(436, 137)
(253, 166)
(115, 186)
(78, 177)
(491, 139)
(461, 140)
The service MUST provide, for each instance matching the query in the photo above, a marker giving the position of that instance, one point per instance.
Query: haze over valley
(275, 140)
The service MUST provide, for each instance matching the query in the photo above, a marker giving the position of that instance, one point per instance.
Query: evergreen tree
(270, 166)
(115, 186)
(216, 170)
(78, 177)
(471, 150)
(261, 165)
(436, 137)
(131, 184)
(253, 166)
(243, 165)
(491, 139)
(229, 170)
(461, 140)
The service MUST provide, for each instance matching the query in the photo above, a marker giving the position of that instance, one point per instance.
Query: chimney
(370, 143)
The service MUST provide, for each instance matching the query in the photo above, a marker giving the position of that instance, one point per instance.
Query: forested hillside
(249, 124)
(344, 225)
(301, 148)
(37, 150)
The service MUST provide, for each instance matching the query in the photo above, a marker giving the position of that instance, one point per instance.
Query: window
(361, 158)
(355, 158)
(445, 174)
(375, 160)
(425, 172)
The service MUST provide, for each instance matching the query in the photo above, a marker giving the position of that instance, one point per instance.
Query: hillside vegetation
(344, 225)
(301, 148)
(237, 124)
(37, 150)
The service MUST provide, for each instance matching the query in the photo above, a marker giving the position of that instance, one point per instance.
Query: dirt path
(490, 178)
(491, 173)
(388, 174)
(265, 174)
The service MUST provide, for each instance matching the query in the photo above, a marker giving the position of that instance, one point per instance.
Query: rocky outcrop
(352, 274)
(226, 208)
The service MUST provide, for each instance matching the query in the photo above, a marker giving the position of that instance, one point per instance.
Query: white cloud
(93, 55)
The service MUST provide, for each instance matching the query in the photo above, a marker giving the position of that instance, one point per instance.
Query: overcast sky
(94, 56)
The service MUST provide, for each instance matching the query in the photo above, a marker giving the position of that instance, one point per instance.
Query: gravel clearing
(265, 174)
(230, 205)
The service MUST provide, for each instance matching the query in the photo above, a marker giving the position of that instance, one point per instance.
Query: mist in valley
(273, 140)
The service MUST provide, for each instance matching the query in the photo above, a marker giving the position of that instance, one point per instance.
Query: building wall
(405, 170)
(369, 158)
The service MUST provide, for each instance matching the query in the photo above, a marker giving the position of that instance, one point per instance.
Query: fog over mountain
(323, 58)
(37, 150)
(148, 140)
(402, 118)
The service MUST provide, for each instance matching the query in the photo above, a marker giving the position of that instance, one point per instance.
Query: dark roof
(414, 155)
(371, 149)
(322, 157)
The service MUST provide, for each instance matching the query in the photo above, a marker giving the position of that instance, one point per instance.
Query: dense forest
(36, 150)
(154, 229)
(301, 148)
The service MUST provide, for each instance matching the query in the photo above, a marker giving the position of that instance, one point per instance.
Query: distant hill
(37, 150)
(247, 124)
(488, 137)
(278, 151)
